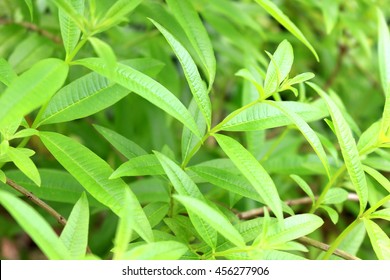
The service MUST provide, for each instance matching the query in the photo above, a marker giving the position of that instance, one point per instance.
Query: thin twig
(34, 28)
(299, 201)
(343, 49)
(325, 247)
(37, 201)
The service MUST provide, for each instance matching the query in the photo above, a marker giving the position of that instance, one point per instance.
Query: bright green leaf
(71, 11)
(383, 214)
(333, 215)
(7, 74)
(25, 164)
(139, 166)
(104, 51)
(384, 51)
(335, 195)
(379, 177)
(379, 240)
(162, 250)
(117, 13)
(304, 186)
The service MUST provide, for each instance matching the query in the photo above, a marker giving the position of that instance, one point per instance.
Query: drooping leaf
(35, 226)
(279, 67)
(253, 171)
(292, 228)
(213, 218)
(139, 166)
(162, 250)
(304, 186)
(307, 132)
(125, 146)
(7, 74)
(92, 172)
(379, 240)
(32, 89)
(193, 27)
(144, 86)
(70, 32)
(75, 233)
(276, 13)
(195, 82)
(348, 148)
(383, 51)
(25, 164)
(263, 116)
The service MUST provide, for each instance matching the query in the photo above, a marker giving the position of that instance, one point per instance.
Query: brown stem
(34, 28)
(299, 201)
(343, 49)
(37, 201)
(325, 247)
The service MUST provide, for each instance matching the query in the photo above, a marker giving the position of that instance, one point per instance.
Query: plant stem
(37, 201)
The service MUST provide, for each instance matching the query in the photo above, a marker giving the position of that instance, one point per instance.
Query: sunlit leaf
(379, 240)
(162, 250)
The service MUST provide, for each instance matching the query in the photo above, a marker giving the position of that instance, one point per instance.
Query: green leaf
(307, 132)
(104, 51)
(25, 164)
(3, 178)
(144, 86)
(75, 233)
(253, 171)
(263, 116)
(292, 228)
(304, 186)
(125, 146)
(7, 74)
(383, 214)
(379, 177)
(30, 7)
(353, 241)
(162, 250)
(139, 166)
(82, 97)
(195, 82)
(33, 88)
(35, 226)
(216, 220)
(279, 67)
(197, 34)
(25, 133)
(333, 215)
(348, 148)
(70, 32)
(92, 172)
(124, 229)
(189, 140)
(117, 13)
(300, 78)
(186, 187)
(335, 196)
(379, 240)
(277, 14)
(383, 51)
(75, 17)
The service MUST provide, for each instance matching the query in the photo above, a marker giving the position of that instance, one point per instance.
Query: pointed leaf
(195, 82)
(333, 215)
(25, 164)
(213, 218)
(75, 233)
(104, 51)
(253, 171)
(146, 87)
(139, 166)
(379, 177)
(162, 250)
(383, 214)
(35, 226)
(7, 74)
(32, 89)
(117, 12)
(379, 240)
(189, 20)
(348, 148)
(74, 16)
(92, 172)
(384, 51)
(276, 13)
(304, 186)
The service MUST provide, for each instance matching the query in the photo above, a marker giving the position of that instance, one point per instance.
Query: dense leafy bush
(195, 129)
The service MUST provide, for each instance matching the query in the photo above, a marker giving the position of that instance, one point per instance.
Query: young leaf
(117, 13)
(73, 16)
(335, 196)
(383, 214)
(35, 226)
(307, 132)
(32, 89)
(162, 250)
(92, 172)
(279, 67)
(348, 148)
(263, 116)
(212, 217)
(70, 32)
(276, 13)
(382, 180)
(195, 82)
(304, 186)
(253, 171)
(125, 146)
(292, 228)
(104, 51)
(383, 51)
(146, 87)
(333, 215)
(7, 74)
(139, 166)
(25, 164)
(197, 34)
(75, 233)
(379, 240)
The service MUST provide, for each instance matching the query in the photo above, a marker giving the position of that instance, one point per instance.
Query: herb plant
(195, 129)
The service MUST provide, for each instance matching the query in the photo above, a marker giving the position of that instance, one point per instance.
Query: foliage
(194, 129)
